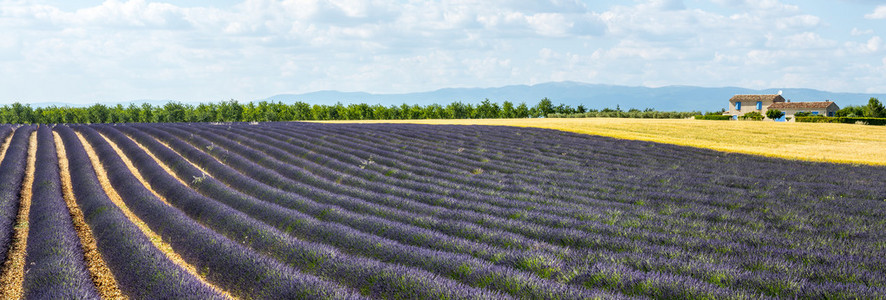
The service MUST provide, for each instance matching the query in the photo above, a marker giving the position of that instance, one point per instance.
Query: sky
(202, 50)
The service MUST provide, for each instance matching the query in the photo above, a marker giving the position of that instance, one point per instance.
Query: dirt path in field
(104, 280)
(155, 238)
(133, 169)
(13, 274)
(176, 152)
(6, 145)
(164, 165)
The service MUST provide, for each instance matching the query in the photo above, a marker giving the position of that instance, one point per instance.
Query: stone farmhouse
(742, 104)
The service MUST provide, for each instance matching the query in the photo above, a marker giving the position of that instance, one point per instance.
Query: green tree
(543, 108)
(37, 116)
(380, 112)
(117, 114)
(284, 112)
(563, 109)
(203, 113)
(146, 114)
(302, 111)
(434, 111)
(774, 114)
(230, 111)
(132, 112)
(487, 110)
(53, 114)
(320, 112)
(98, 113)
(458, 110)
(507, 110)
(874, 109)
(250, 113)
(78, 115)
(522, 110)
(173, 112)
(851, 111)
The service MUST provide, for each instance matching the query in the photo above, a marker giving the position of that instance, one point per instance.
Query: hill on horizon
(594, 96)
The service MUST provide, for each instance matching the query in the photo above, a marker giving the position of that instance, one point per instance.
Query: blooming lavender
(54, 263)
(12, 172)
(426, 211)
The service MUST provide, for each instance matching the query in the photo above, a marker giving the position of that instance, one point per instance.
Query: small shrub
(714, 117)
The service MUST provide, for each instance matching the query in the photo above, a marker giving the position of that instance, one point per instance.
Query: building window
(830, 114)
(737, 105)
(759, 105)
(814, 113)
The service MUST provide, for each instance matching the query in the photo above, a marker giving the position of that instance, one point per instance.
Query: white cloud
(871, 46)
(120, 50)
(805, 40)
(879, 13)
(858, 32)
(874, 44)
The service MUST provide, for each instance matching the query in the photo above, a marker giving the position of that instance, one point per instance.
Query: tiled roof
(796, 105)
(755, 98)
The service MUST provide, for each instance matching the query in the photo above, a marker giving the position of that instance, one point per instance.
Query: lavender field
(353, 211)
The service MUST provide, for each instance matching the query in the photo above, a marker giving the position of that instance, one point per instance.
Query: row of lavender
(408, 211)
(632, 217)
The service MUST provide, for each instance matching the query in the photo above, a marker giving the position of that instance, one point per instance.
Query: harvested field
(842, 143)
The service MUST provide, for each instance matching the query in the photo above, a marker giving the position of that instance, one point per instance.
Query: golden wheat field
(843, 143)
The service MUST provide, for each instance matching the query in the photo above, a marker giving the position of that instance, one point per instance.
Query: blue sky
(201, 50)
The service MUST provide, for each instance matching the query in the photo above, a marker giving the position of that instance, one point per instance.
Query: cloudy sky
(210, 50)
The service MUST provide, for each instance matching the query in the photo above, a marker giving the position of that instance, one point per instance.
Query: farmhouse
(739, 105)
(823, 108)
(742, 104)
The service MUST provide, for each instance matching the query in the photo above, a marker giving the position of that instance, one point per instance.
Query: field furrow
(13, 270)
(54, 264)
(12, 173)
(105, 283)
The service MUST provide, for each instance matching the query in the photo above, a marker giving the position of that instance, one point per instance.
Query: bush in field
(752, 116)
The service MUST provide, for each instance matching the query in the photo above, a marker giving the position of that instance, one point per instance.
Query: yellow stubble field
(843, 143)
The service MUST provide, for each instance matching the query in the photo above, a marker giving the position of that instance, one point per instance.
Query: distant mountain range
(597, 96)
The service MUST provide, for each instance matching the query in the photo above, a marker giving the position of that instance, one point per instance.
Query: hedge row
(713, 117)
(848, 120)
(650, 114)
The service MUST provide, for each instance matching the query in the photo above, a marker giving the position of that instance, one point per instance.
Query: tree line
(874, 109)
(266, 111)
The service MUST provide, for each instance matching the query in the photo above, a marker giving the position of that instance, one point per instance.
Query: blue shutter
(737, 105)
(815, 113)
(759, 105)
